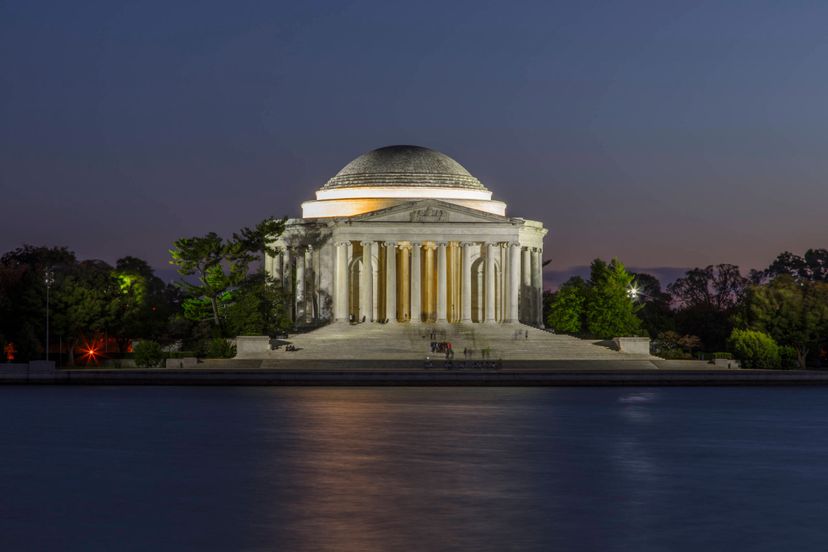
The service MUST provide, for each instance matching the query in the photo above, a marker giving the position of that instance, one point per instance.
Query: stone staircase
(344, 341)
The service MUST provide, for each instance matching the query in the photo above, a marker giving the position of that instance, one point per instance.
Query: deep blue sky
(664, 133)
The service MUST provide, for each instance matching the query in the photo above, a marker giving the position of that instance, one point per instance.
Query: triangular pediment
(429, 211)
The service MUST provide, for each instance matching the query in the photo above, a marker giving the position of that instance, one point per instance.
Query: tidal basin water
(370, 469)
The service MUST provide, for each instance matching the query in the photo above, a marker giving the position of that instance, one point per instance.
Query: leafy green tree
(222, 269)
(210, 259)
(257, 241)
(84, 302)
(566, 311)
(259, 308)
(794, 313)
(143, 305)
(754, 349)
(609, 309)
(23, 295)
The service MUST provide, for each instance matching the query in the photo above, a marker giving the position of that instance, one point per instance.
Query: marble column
(490, 282)
(276, 265)
(514, 282)
(310, 289)
(268, 264)
(341, 287)
(416, 277)
(287, 272)
(536, 288)
(467, 283)
(366, 292)
(428, 280)
(300, 285)
(538, 277)
(391, 282)
(376, 284)
(442, 283)
(404, 277)
(526, 298)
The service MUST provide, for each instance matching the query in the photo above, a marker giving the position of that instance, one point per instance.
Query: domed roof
(404, 166)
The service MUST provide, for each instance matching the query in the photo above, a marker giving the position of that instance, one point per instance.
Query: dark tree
(656, 313)
(706, 299)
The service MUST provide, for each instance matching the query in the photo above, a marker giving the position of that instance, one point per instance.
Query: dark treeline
(776, 317)
(95, 306)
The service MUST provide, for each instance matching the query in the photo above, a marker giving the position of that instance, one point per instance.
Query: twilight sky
(666, 135)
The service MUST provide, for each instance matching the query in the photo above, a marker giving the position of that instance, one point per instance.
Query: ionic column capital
(390, 244)
(429, 247)
(416, 244)
(366, 243)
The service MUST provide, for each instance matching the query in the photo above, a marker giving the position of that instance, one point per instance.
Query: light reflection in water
(412, 469)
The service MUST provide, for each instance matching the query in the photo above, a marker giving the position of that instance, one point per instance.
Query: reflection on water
(412, 469)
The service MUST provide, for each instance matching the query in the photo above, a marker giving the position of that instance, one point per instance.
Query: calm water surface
(188, 468)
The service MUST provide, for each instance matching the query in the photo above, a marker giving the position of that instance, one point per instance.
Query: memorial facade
(405, 234)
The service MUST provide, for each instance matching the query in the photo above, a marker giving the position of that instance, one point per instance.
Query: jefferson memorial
(405, 234)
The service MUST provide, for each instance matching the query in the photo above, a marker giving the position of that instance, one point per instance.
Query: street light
(633, 292)
(48, 279)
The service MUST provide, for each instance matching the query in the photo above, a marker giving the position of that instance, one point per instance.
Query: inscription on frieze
(429, 214)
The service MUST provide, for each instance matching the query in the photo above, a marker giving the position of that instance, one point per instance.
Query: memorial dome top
(404, 166)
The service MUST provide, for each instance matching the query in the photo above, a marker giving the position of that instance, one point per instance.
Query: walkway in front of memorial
(509, 342)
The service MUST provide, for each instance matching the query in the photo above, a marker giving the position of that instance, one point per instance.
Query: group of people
(442, 347)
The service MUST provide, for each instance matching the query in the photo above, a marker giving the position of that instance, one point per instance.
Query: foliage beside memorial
(98, 310)
(600, 307)
(708, 309)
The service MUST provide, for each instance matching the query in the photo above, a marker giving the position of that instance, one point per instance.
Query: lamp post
(48, 279)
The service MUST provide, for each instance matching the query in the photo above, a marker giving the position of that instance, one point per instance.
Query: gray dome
(404, 166)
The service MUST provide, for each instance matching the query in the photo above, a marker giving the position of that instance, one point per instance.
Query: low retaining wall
(418, 377)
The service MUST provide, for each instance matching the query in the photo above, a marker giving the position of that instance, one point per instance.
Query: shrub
(148, 354)
(219, 347)
(788, 357)
(754, 349)
(674, 354)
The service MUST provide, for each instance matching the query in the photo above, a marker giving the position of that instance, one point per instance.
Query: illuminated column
(416, 298)
(490, 282)
(526, 300)
(442, 282)
(366, 293)
(429, 281)
(514, 281)
(341, 288)
(300, 285)
(391, 281)
(537, 284)
(466, 286)
(405, 282)
(375, 283)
